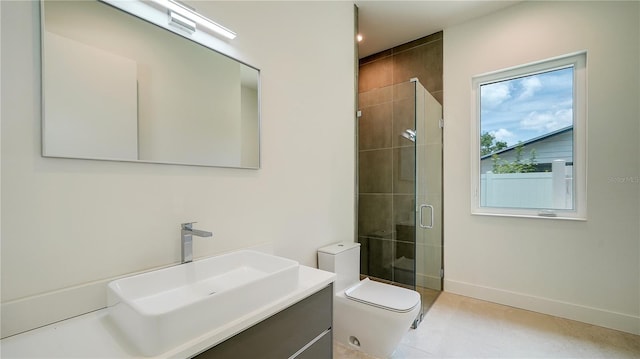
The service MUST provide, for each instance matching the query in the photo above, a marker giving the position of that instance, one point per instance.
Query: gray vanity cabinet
(301, 331)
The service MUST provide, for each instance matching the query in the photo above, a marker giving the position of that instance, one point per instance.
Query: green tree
(489, 145)
(518, 165)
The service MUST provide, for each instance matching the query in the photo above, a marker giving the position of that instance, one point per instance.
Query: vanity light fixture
(183, 16)
(182, 22)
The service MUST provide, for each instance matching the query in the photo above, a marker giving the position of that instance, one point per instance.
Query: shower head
(409, 134)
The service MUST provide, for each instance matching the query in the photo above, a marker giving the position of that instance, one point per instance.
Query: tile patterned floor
(462, 327)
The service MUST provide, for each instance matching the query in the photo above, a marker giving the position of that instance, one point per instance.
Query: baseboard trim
(36, 311)
(428, 281)
(604, 318)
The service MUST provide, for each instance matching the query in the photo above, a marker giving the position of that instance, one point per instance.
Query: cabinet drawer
(283, 334)
(322, 349)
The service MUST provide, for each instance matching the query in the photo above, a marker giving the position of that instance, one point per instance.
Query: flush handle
(422, 207)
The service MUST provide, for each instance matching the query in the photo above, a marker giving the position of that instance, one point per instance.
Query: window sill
(528, 215)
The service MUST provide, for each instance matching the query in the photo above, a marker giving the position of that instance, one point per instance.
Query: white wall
(582, 270)
(69, 226)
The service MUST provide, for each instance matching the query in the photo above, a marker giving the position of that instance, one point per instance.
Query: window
(529, 140)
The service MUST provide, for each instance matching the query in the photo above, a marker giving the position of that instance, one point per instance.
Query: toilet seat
(383, 296)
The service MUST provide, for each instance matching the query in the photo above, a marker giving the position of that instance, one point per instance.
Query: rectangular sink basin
(162, 309)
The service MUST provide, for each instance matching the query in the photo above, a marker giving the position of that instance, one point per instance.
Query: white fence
(550, 190)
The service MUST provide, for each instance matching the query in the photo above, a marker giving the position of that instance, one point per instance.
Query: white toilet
(368, 316)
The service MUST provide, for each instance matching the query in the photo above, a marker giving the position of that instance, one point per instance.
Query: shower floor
(428, 296)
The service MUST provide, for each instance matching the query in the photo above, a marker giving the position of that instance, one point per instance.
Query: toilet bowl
(368, 316)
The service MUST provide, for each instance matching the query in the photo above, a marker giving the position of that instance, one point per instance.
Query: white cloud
(493, 95)
(530, 85)
(503, 135)
(547, 121)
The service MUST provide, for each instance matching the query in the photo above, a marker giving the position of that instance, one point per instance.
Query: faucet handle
(187, 225)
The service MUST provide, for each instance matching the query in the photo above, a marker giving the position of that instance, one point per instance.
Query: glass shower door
(400, 187)
(428, 196)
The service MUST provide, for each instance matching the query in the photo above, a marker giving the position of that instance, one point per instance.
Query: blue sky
(527, 107)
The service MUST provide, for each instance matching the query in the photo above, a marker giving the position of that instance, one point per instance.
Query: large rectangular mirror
(116, 87)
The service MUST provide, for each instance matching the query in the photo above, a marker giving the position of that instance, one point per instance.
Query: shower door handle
(422, 207)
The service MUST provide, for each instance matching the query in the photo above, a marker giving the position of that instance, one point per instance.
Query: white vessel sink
(162, 309)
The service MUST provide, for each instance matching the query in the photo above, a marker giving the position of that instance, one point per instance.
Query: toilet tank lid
(338, 247)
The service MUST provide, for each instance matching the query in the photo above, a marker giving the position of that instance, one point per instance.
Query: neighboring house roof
(531, 141)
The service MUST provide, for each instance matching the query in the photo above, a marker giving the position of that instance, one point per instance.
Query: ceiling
(385, 24)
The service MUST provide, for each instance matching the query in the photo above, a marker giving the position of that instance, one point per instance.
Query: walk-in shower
(400, 187)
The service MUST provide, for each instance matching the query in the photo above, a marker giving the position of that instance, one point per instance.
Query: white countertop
(93, 335)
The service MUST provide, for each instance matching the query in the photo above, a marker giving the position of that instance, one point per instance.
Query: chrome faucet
(186, 235)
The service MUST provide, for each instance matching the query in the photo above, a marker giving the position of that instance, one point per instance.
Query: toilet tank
(343, 259)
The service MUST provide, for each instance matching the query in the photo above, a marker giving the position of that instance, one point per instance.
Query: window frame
(579, 62)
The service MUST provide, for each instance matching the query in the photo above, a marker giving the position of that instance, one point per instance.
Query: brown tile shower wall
(386, 223)
(421, 58)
